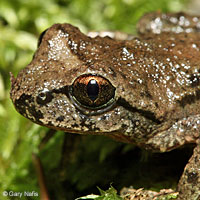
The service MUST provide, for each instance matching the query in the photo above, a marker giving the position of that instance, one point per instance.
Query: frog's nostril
(44, 98)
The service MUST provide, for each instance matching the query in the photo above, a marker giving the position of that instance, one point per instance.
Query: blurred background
(73, 166)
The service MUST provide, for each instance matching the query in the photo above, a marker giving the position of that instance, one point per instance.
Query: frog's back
(175, 39)
(167, 68)
(161, 68)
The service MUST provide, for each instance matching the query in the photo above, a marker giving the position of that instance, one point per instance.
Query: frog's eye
(44, 97)
(41, 36)
(93, 91)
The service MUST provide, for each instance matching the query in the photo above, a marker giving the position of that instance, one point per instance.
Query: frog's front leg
(184, 131)
(189, 184)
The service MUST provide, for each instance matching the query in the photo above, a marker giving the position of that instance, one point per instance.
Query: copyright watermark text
(20, 194)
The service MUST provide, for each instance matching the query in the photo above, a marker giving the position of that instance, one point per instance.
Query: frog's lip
(116, 135)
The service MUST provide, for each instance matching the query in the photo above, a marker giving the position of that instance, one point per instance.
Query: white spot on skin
(169, 94)
(127, 54)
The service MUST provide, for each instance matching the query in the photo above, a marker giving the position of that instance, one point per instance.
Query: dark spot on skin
(124, 127)
(41, 36)
(74, 125)
(195, 79)
(60, 118)
(135, 124)
(192, 177)
(60, 27)
(196, 159)
(24, 103)
(50, 124)
(91, 126)
(147, 114)
(189, 99)
(103, 117)
(37, 114)
(146, 94)
(63, 90)
(182, 41)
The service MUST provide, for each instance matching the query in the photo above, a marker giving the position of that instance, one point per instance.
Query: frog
(144, 90)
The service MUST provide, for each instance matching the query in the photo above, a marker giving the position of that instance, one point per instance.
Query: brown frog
(144, 91)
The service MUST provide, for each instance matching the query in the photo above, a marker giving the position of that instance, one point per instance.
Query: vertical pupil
(93, 89)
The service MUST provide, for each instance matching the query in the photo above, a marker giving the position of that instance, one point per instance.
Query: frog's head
(67, 87)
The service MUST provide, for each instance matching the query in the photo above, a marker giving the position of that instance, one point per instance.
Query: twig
(41, 179)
